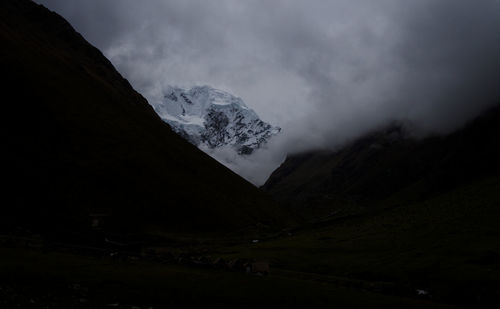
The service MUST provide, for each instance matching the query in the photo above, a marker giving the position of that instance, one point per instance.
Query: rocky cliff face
(212, 118)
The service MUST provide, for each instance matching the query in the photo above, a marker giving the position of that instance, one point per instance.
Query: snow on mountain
(211, 118)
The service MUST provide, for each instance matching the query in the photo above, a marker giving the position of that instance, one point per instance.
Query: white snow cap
(211, 118)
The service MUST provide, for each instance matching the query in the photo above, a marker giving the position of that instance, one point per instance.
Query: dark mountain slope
(78, 139)
(390, 164)
(420, 213)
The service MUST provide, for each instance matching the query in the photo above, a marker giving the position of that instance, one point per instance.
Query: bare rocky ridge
(212, 118)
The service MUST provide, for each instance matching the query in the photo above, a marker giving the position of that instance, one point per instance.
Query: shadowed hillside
(420, 213)
(78, 139)
(389, 167)
(390, 221)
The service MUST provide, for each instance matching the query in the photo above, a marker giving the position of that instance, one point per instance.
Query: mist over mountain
(107, 202)
(388, 166)
(79, 140)
(221, 125)
(324, 71)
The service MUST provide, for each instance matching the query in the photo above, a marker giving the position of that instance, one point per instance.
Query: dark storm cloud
(325, 71)
(449, 56)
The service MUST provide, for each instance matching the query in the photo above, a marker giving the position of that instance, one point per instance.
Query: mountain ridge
(212, 118)
(80, 139)
(389, 163)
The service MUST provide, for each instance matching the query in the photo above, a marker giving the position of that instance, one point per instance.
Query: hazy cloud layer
(325, 71)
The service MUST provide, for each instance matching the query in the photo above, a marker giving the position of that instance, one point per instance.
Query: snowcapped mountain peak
(213, 118)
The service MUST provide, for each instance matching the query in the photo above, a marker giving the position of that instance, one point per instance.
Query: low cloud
(256, 167)
(324, 71)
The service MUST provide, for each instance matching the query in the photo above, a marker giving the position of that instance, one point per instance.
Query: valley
(110, 203)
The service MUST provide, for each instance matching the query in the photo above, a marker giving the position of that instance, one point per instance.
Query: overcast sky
(325, 71)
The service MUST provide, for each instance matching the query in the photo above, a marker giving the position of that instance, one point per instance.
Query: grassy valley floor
(439, 252)
(33, 279)
(447, 247)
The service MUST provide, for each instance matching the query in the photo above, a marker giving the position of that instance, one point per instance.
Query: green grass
(78, 138)
(51, 278)
(448, 245)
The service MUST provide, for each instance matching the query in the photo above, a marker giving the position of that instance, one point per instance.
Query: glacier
(211, 119)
